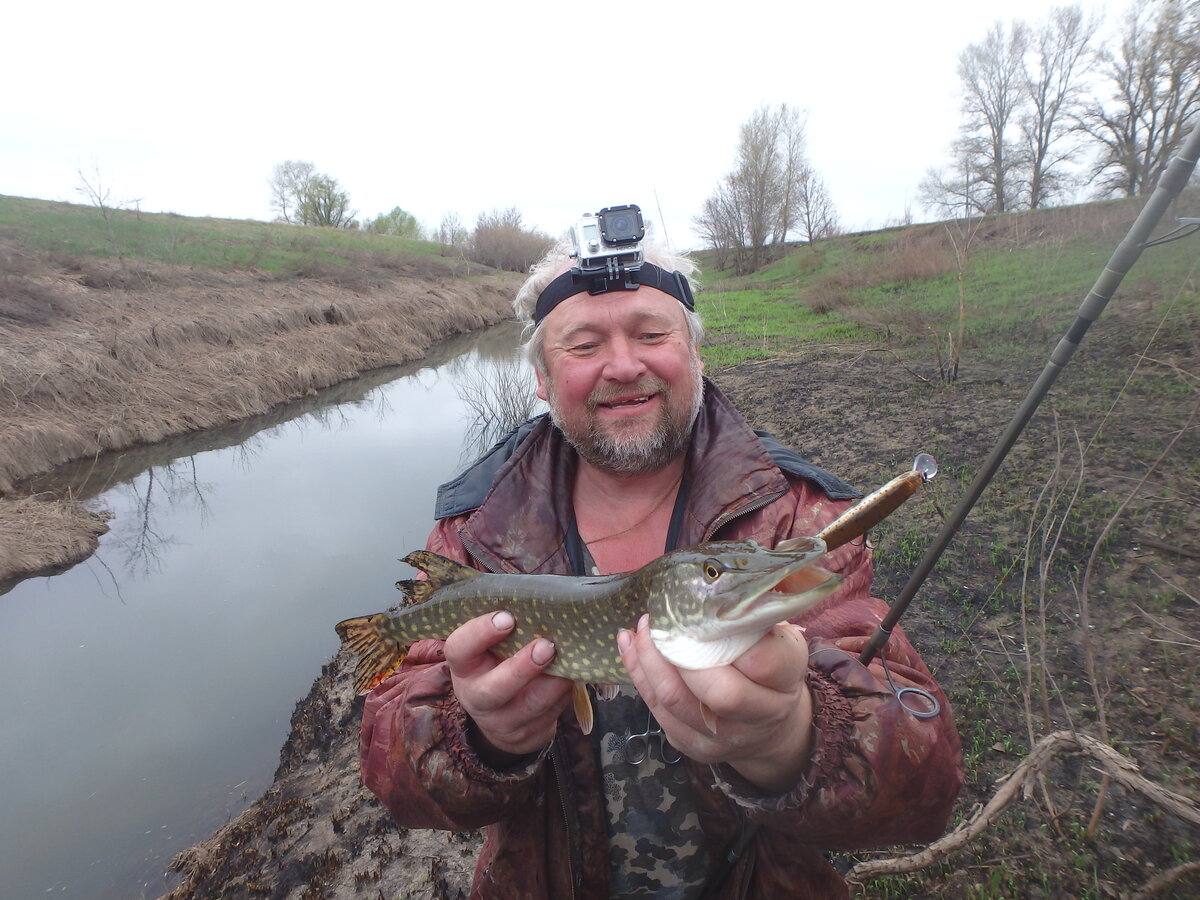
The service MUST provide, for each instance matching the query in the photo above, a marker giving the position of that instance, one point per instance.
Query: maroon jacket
(878, 775)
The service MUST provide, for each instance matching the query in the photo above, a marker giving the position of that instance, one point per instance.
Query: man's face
(622, 378)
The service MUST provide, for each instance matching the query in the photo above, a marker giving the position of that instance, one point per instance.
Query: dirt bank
(121, 354)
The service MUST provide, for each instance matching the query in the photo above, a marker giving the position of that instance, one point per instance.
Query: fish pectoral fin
(441, 571)
(581, 700)
(379, 655)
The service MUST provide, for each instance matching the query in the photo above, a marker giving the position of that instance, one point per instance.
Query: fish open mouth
(791, 595)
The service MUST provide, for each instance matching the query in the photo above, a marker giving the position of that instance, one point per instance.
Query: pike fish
(707, 604)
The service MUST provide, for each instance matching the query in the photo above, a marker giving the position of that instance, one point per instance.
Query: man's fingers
(468, 645)
(779, 661)
(485, 683)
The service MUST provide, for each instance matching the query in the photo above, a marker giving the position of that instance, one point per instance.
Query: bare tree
(991, 75)
(765, 199)
(720, 227)
(1022, 88)
(817, 216)
(1058, 58)
(757, 181)
(956, 191)
(288, 183)
(1153, 77)
(451, 235)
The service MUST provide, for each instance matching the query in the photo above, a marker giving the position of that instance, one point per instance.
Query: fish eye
(712, 569)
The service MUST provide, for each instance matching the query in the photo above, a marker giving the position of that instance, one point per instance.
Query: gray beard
(633, 454)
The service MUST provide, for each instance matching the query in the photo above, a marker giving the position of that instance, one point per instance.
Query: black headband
(568, 284)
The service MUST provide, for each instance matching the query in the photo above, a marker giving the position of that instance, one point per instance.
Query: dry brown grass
(919, 254)
(127, 366)
(41, 536)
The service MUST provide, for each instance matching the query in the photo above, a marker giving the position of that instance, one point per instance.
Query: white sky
(556, 108)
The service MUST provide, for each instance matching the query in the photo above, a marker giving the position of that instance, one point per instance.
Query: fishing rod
(1172, 182)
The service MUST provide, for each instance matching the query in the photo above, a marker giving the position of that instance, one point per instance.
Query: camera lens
(622, 224)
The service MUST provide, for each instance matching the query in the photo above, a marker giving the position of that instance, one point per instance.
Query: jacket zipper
(477, 554)
(722, 520)
(562, 778)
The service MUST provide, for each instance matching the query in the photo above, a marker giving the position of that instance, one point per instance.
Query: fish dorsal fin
(439, 568)
(417, 591)
(441, 572)
(582, 701)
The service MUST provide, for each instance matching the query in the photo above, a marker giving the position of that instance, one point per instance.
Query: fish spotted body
(707, 604)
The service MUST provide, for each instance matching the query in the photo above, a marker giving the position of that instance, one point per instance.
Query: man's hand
(514, 705)
(754, 714)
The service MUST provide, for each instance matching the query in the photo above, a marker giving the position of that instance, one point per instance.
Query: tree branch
(1117, 766)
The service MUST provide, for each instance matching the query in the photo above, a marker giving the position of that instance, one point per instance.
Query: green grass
(204, 243)
(1023, 278)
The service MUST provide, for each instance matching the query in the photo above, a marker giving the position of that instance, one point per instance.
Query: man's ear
(541, 387)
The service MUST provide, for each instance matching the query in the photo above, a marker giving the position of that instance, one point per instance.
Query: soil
(1106, 646)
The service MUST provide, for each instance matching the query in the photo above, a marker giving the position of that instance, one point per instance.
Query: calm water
(146, 692)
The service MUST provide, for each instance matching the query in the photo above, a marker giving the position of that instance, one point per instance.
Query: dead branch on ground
(1114, 765)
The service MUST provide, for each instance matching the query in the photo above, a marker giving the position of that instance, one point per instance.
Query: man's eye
(653, 336)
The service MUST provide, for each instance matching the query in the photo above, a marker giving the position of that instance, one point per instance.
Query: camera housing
(608, 245)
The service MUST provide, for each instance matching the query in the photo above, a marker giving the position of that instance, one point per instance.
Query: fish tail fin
(380, 653)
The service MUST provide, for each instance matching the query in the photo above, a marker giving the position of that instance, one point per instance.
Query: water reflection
(497, 399)
(147, 691)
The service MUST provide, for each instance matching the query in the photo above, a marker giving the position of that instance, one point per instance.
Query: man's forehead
(602, 310)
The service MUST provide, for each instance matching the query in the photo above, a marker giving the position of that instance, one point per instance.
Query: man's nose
(624, 362)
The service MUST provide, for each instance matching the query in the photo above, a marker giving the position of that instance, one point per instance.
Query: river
(147, 691)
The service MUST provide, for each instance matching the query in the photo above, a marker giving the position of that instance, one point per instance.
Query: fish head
(710, 603)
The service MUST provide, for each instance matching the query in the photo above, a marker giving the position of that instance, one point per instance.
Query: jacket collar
(521, 524)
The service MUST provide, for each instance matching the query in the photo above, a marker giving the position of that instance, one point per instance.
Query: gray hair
(558, 259)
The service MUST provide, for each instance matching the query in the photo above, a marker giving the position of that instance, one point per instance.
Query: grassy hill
(1015, 279)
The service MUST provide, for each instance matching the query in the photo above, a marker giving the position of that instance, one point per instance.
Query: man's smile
(625, 402)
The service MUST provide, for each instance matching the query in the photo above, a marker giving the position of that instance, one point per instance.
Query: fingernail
(623, 639)
(644, 622)
(503, 620)
(542, 652)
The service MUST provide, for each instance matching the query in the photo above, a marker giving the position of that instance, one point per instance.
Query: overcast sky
(556, 108)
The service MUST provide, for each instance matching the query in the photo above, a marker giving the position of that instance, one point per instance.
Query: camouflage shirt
(656, 845)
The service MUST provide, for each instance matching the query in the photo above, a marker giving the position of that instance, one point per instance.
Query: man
(724, 782)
